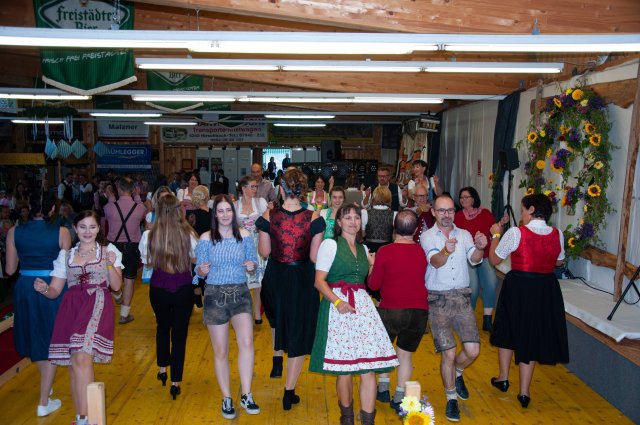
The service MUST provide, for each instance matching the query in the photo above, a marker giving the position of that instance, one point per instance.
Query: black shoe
(486, 323)
(258, 321)
(174, 390)
(461, 388)
(228, 411)
(383, 396)
(162, 376)
(276, 369)
(501, 385)
(395, 406)
(524, 400)
(247, 403)
(197, 300)
(452, 412)
(289, 398)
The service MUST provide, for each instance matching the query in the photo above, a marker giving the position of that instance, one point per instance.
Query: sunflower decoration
(416, 412)
(589, 128)
(417, 418)
(577, 94)
(595, 140)
(571, 136)
(594, 190)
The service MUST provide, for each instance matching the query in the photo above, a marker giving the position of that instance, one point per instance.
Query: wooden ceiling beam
(464, 16)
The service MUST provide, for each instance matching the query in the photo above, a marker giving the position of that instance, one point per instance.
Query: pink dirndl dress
(85, 319)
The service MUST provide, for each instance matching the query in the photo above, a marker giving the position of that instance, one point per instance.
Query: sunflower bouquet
(416, 411)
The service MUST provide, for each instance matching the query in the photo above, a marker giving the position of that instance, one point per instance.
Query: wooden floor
(134, 396)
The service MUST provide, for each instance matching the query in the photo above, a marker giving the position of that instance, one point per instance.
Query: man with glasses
(448, 248)
(384, 179)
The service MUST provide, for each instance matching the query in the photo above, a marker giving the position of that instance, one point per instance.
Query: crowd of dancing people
(351, 276)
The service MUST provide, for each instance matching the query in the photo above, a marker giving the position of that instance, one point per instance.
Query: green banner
(174, 81)
(86, 72)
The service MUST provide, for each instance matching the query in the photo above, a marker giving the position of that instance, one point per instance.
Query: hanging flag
(86, 72)
(174, 81)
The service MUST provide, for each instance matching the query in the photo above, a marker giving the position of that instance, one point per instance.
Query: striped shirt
(225, 259)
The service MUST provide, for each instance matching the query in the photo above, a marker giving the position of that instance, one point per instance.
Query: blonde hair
(199, 196)
(381, 196)
(169, 244)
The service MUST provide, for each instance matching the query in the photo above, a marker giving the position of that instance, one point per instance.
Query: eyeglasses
(253, 186)
(419, 196)
(447, 211)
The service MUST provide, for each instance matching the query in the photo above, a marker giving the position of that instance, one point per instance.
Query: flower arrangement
(416, 412)
(572, 141)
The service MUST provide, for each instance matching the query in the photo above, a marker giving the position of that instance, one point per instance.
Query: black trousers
(173, 310)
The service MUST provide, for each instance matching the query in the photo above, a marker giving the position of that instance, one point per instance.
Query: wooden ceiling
(18, 67)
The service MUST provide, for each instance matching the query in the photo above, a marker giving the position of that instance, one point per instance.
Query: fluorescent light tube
(294, 124)
(28, 96)
(206, 64)
(496, 68)
(352, 68)
(285, 99)
(398, 100)
(307, 47)
(182, 98)
(174, 123)
(308, 117)
(31, 121)
(126, 114)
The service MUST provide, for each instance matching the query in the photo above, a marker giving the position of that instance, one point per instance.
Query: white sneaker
(81, 420)
(51, 407)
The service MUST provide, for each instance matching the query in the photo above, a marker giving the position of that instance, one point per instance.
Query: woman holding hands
(83, 330)
(350, 336)
(223, 256)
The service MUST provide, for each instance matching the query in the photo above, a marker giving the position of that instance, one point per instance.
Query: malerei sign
(86, 72)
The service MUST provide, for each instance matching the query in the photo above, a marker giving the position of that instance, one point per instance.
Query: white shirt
(144, 241)
(60, 268)
(511, 238)
(453, 274)
(327, 253)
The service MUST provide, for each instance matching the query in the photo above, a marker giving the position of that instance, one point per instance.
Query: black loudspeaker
(330, 150)
(509, 159)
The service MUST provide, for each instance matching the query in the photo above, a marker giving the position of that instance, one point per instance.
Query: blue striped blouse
(225, 259)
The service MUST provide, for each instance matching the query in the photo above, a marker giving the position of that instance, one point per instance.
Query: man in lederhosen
(124, 217)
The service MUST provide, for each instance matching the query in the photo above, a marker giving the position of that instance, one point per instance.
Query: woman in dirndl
(350, 336)
(248, 209)
(530, 317)
(83, 330)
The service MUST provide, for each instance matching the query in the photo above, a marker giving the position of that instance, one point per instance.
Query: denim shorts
(449, 311)
(222, 302)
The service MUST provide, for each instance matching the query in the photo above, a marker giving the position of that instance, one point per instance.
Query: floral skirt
(355, 343)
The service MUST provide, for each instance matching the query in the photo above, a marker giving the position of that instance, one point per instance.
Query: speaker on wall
(330, 150)
(509, 159)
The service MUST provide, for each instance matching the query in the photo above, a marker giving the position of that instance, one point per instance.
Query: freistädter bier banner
(174, 81)
(86, 72)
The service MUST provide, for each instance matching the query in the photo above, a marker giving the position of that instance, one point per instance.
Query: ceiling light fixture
(173, 123)
(295, 124)
(393, 99)
(181, 64)
(32, 121)
(313, 43)
(300, 116)
(125, 114)
(182, 97)
(40, 94)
